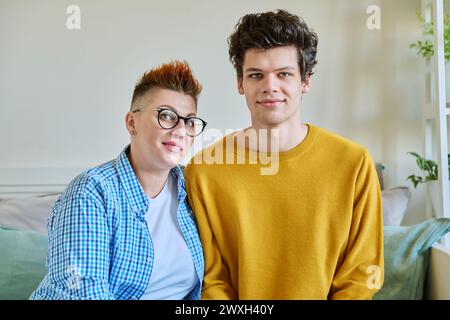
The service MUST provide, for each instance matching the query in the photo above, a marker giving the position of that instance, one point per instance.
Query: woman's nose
(180, 129)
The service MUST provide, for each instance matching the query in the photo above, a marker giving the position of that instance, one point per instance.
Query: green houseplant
(425, 47)
(429, 167)
(430, 176)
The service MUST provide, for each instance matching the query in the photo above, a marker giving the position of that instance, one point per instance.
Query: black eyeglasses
(169, 119)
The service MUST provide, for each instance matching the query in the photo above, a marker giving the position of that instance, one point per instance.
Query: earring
(132, 132)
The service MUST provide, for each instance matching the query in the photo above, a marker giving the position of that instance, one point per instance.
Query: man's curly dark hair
(270, 30)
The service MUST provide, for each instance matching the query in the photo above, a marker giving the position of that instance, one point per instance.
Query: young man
(311, 228)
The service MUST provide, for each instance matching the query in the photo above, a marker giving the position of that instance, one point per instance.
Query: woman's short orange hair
(175, 75)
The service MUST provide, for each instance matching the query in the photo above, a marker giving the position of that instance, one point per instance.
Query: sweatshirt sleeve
(216, 282)
(361, 273)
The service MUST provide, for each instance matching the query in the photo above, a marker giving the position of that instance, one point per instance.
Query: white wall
(64, 93)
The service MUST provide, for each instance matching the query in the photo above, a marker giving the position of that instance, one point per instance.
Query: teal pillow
(22, 262)
(406, 256)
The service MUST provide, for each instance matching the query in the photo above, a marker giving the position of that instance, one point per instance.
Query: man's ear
(240, 87)
(306, 84)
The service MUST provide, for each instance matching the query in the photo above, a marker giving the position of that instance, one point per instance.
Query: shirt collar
(178, 173)
(139, 201)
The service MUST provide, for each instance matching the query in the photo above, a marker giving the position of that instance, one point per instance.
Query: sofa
(23, 246)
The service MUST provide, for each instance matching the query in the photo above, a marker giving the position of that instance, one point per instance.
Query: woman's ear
(130, 122)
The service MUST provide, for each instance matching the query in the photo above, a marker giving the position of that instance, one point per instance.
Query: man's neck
(282, 138)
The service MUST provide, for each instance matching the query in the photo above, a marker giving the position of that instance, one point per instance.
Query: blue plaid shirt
(99, 243)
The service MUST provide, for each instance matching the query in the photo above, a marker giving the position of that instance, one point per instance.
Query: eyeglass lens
(168, 119)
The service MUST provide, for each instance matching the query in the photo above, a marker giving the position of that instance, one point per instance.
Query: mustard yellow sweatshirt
(312, 230)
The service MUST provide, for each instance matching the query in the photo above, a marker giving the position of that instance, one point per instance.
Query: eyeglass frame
(185, 119)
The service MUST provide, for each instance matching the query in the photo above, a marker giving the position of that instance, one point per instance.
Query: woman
(124, 229)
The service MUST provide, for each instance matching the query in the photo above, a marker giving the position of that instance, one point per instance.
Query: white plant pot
(435, 197)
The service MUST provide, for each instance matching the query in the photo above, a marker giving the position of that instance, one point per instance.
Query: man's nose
(270, 84)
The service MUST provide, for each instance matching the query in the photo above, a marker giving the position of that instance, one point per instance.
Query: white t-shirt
(173, 273)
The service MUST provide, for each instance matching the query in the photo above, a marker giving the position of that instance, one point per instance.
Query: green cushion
(406, 252)
(406, 256)
(22, 262)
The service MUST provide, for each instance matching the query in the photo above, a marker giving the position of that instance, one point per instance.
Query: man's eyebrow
(253, 69)
(285, 68)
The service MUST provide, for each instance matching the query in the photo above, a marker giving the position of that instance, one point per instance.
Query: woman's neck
(152, 180)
